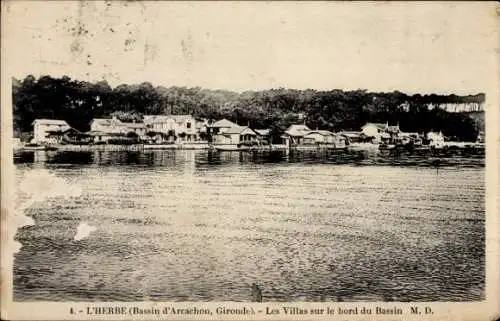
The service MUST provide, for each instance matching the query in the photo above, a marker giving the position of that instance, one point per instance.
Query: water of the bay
(203, 226)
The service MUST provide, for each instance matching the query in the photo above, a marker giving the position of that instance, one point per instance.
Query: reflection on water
(305, 226)
(209, 158)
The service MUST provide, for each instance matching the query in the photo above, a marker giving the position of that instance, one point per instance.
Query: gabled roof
(65, 131)
(106, 121)
(50, 122)
(100, 133)
(321, 132)
(224, 123)
(297, 130)
(134, 125)
(262, 132)
(238, 130)
(117, 122)
(72, 130)
(350, 133)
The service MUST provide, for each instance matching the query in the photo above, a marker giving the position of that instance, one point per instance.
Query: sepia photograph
(248, 152)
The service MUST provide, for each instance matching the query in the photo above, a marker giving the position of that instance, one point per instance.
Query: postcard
(258, 160)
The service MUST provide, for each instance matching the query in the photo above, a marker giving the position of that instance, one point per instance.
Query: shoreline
(200, 146)
(229, 148)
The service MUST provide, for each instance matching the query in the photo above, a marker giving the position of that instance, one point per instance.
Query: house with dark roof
(294, 135)
(407, 138)
(102, 137)
(353, 136)
(318, 137)
(114, 126)
(324, 137)
(262, 132)
(104, 129)
(69, 136)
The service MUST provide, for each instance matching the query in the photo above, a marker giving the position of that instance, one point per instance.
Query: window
(188, 125)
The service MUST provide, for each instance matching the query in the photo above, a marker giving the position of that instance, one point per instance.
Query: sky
(408, 46)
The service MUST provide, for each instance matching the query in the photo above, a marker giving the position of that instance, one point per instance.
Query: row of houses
(302, 135)
(175, 129)
(386, 134)
(153, 129)
(375, 133)
(188, 129)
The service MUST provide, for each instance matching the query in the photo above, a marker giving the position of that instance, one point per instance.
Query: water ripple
(204, 226)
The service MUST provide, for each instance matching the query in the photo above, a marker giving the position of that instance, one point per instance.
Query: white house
(221, 126)
(319, 137)
(353, 136)
(185, 128)
(294, 135)
(107, 125)
(325, 137)
(375, 130)
(42, 128)
(236, 135)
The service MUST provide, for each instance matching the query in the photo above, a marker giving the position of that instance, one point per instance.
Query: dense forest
(78, 102)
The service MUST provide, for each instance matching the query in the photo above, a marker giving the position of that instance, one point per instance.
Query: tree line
(78, 102)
